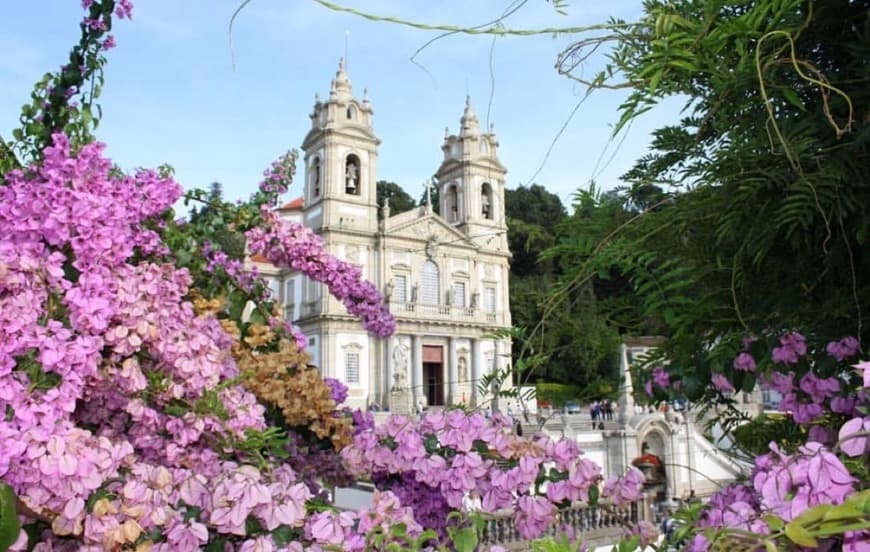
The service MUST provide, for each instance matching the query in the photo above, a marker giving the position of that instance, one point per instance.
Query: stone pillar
(497, 363)
(416, 369)
(626, 398)
(476, 363)
(388, 361)
(452, 372)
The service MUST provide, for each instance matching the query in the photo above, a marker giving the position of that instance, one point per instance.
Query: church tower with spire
(341, 152)
(471, 183)
(445, 277)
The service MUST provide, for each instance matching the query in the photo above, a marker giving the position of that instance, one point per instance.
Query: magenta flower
(721, 383)
(793, 347)
(779, 382)
(819, 389)
(660, 377)
(337, 389)
(624, 489)
(852, 442)
(744, 362)
(647, 532)
(843, 349)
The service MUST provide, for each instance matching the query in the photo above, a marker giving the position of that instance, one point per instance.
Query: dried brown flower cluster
(282, 377)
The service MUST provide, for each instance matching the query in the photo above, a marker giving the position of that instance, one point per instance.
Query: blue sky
(172, 95)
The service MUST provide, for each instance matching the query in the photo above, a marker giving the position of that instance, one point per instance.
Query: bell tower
(341, 152)
(471, 183)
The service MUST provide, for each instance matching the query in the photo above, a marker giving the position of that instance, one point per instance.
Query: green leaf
(593, 495)
(9, 524)
(774, 523)
(800, 536)
(792, 98)
(844, 511)
(465, 539)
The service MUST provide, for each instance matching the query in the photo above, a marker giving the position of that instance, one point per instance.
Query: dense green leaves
(9, 524)
(752, 219)
(399, 199)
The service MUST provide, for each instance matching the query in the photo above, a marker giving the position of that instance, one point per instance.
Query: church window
(459, 294)
(289, 298)
(351, 367)
(400, 289)
(316, 176)
(484, 148)
(352, 175)
(453, 203)
(351, 112)
(489, 299)
(314, 290)
(486, 200)
(431, 285)
(275, 288)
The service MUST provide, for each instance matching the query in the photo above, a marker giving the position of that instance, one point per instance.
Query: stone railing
(444, 312)
(596, 525)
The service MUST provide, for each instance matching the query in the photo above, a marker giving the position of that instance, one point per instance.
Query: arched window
(352, 175)
(351, 112)
(484, 147)
(486, 204)
(453, 203)
(316, 176)
(431, 284)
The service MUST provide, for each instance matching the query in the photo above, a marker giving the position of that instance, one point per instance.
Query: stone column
(452, 372)
(626, 398)
(388, 361)
(476, 362)
(416, 369)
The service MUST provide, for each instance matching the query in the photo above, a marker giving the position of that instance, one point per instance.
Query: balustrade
(593, 523)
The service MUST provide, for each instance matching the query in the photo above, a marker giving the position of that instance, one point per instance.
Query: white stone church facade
(445, 277)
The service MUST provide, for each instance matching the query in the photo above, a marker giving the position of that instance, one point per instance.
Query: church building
(445, 276)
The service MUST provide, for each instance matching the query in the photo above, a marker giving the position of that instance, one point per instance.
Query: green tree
(211, 215)
(535, 205)
(754, 217)
(400, 201)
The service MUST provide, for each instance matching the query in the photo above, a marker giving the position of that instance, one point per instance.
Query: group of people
(601, 410)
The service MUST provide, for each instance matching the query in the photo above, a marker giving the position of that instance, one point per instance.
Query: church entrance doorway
(433, 374)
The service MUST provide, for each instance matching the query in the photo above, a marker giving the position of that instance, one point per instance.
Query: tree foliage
(399, 199)
(760, 224)
(580, 347)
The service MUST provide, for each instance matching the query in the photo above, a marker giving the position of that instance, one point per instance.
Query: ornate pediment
(431, 231)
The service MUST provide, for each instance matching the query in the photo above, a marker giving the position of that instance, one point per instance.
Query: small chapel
(445, 277)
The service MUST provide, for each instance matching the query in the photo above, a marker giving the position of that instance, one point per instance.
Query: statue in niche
(462, 370)
(400, 366)
(351, 175)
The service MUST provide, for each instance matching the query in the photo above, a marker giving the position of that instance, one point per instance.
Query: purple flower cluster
(292, 245)
(843, 349)
(103, 362)
(789, 484)
(433, 463)
(793, 346)
(744, 362)
(660, 378)
(337, 389)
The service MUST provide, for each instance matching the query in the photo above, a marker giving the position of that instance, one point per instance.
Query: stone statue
(400, 366)
(462, 370)
(351, 174)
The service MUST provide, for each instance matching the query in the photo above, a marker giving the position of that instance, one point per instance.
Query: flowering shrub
(431, 464)
(810, 489)
(151, 396)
